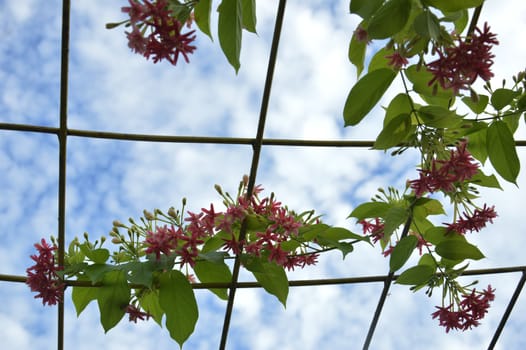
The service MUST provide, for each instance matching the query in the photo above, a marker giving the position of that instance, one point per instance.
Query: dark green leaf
(416, 275)
(140, 272)
(215, 242)
(365, 94)
(437, 234)
(310, 232)
(357, 53)
(439, 117)
(453, 5)
(208, 271)
(177, 300)
(202, 11)
(502, 98)
(370, 210)
(521, 103)
(512, 121)
(477, 107)
(365, 8)
(395, 132)
(502, 152)
(427, 259)
(389, 19)
(229, 32)
(455, 249)
(401, 252)
(249, 15)
(256, 222)
(430, 206)
(82, 296)
(149, 301)
(113, 297)
(274, 280)
(427, 26)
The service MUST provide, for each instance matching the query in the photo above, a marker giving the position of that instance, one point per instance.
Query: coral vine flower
(165, 39)
(397, 60)
(443, 175)
(135, 314)
(474, 222)
(457, 67)
(472, 308)
(163, 240)
(42, 277)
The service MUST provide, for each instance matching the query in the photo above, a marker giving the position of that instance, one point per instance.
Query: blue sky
(111, 89)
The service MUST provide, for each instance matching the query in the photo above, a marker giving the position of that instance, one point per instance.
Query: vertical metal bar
(507, 313)
(62, 138)
(385, 290)
(255, 161)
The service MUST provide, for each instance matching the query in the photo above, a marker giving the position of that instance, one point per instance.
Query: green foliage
(113, 297)
(502, 152)
(370, 210)
(202, 11)
(248, 9)
(177, 300)
(213, 271)
(501, 98)
(395, 132)
(402, 252)
(365, 8)
(357, 53)
(478, 106)
(365, 94)
(416, 275)
(453, 5)
(230, 30)
(389, 19)
(82, 296)
(427, 25)
(270, 275)
(149, 301)
(456, 249)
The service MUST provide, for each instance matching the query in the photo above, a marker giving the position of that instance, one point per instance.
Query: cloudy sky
(111, 89)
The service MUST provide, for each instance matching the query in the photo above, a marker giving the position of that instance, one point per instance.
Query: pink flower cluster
(443, 175)
(474, 222)
(471, 309)
(135, 314)
(281, 226)
(42, 277)
(458, 66)
(165, 39)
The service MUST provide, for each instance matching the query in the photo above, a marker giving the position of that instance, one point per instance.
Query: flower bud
(116, 240)
(172, 213)
(117, 223)
(147, 215)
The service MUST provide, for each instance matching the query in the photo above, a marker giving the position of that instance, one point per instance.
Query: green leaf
(96, 272)
(209, 271)
(248, 10)
(256, 222)
(274, 280)
(140, 272)
(427, 259)
(370, 210)
(512, 121)
(439, 117)
(521, 103)
(82, 296)
(394, 133)
(202, 11)
(98, 256)
(416, 275)
(113, 297)
(379, 60)
(149, 301)
(502, 152)
(453, 5)
(429, 206)
(462, 21)
(400, 104)
(393, 218)
(401, 252)
(484, 180)
(365, 94)
(478, 106)
(215, 242)
(420, 78)
(477, 143)
(340, 233)
(357, 53)
(502, 98)
(229, 32)
(310, 232)
(437, 234)
(389, 19)
(427, 26)
(177, 299)
(454, 249)
(365, 8)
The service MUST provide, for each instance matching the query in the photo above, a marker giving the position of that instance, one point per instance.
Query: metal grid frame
(63, 133)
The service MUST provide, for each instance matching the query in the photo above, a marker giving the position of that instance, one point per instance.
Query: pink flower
(361, 35)
(396, 60)
(136, 42)
(163, 240)
(42, 277)
(474, 222)
(135, 314)
(457, 67)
